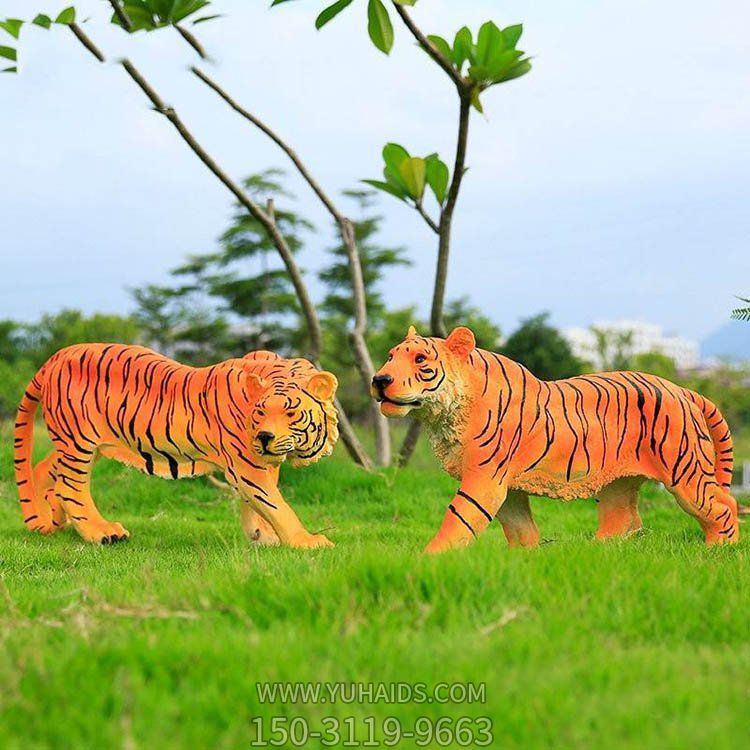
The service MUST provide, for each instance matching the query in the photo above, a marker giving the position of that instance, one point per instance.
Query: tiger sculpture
(505, 433)
(244, 417)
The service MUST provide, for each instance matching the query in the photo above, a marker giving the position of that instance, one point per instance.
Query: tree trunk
(357, 338)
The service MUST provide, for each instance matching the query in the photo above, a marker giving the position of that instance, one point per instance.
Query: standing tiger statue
(243, 417)
(504, 433)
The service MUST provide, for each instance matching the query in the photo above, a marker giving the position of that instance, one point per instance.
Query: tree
(374, 259)
(25, 347)
(176, 325)
(338, 307)
(655, 363)
(472, 65)
(150, 15)
(243, 277)
(742, 313)
(614, 348)
(540, 347)
(460, 312)
(39, 341)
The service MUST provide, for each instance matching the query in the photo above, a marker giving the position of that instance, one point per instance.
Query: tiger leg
(45, 476)
(712, 506)
(73, 488)
(259, 490)
(474, 505)
(255, 527)
(618, 508)
(517, 521)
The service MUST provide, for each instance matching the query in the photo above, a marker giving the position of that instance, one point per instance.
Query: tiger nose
(381, 382)
(265, 438)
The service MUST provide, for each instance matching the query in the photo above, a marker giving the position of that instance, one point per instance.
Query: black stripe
(462, 519)
(474, 502)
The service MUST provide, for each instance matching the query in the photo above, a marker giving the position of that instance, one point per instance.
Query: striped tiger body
(243, 417)
(504, 433)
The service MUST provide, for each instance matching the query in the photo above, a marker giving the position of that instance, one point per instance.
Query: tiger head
(422, 372)
(293, 420)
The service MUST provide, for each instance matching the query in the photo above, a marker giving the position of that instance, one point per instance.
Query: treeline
(238, 298)
(201, 336)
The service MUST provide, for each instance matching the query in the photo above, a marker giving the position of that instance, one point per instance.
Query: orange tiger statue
(504, 433)
(243, 417)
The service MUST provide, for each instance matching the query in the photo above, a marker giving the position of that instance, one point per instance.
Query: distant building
(646, 337)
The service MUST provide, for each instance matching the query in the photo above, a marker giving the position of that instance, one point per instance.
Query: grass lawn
(159, 643)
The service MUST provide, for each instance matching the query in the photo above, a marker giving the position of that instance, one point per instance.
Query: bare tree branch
(268, 222)
(122, 15)
(446, 220)
(409, 443)
(443, 230)
(357, 334)
(428, 219)
(86, 42)
(430, 48)
(192, 40)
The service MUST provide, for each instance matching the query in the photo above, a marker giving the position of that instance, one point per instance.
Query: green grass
(159, 643)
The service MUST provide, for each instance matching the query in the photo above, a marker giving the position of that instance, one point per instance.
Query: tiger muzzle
(270, 445)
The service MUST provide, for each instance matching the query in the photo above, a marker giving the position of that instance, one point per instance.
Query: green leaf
(442, 46)
(521, 68)
(437, 177)
(278, 2)
(140, 15)
(67, 16)
(475, 100)
(490, 42)
(379, 26)
(463, 47)
(9, 53)
(14, 69)
(512, 34)
(405, 2)
(203, 19)
(413, 172)
(174, 11)
(479, 73)
(394, 155)
(386, 187)
(12, 26)
(502, 63)
(42, 20)
(331, 12)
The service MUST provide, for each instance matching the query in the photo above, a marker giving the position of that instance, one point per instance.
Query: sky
(611, 182)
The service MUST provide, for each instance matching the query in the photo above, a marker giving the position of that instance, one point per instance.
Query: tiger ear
(323, 385)
(254, 386)
(461, 342)
(411, 332)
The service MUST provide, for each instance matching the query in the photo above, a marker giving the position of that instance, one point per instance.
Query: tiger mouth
(416, 403)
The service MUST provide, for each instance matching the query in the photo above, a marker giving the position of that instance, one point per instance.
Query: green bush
(13, 381)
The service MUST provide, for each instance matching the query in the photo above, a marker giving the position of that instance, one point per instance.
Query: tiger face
(420, 372)
(293, 421)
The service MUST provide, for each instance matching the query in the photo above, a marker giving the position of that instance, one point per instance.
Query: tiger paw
(104, 532)
(441, 544)
(42, 527)
(258, 531)
(311, 541)
(263, 537)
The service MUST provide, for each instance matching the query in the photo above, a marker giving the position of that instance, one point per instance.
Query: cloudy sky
(611, 182)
